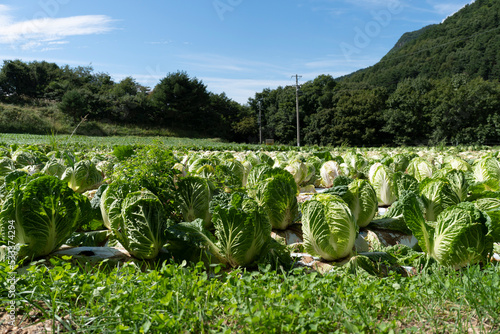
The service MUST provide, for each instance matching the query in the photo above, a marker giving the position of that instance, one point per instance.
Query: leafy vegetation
(62, 296)
(204, 258)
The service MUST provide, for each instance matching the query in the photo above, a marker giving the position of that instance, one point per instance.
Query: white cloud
(38, 33)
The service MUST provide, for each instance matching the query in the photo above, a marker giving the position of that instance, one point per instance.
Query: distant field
(30, 139)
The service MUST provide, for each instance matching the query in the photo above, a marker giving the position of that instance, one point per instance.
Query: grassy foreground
(58, 296)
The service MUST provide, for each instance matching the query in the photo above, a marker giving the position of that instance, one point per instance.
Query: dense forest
(438, 85)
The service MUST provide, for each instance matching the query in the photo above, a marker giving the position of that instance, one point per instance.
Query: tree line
(460, 109)
(176, 102)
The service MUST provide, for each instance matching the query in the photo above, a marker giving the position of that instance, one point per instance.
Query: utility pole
(297, 103)
(260, 122)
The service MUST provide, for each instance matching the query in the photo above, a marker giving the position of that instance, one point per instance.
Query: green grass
(65, 297)
(44, 117)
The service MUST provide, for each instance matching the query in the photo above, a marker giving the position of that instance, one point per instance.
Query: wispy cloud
(38, 33)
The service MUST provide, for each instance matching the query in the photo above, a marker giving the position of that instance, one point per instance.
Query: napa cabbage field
(248, 238)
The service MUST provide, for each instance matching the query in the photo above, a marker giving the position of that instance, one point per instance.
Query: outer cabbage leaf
(400, 162)
(404, 182)
(230, 173)
(110, 205)
(6, 166)
(204, 167)
(414, 216)
(191, 241)
(257, 173)
(265, 159)
(329, 227)
(458, 184)
(393, 218)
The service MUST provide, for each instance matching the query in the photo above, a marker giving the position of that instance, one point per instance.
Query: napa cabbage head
(44, 213)
(54, 167)
(399, 162)
(356, 164)
(461, 234)
(137, 218)
(328, 226)
(299, 171)
(420, 169)
(242, 228)
(381, 178)
(230, 173)
(329, 171)
(360, 196)
(277, 194)
(492, 207)
(362, 201)
(437, 195)
(83, 176)
(193, 199)
(486, 171)
(456, 163)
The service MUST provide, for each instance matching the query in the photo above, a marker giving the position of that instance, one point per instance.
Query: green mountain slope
(467, 42)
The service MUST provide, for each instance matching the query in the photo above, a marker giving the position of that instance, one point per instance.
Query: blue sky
(234, 46)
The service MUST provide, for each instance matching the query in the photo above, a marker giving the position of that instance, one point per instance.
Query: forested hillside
(438, 85)
(467, 42)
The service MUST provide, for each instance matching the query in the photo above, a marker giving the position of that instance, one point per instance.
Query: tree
(407, 119)
(358, 117)
(75, 104)
(180, 101)
(466, 111)
(17, 79)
